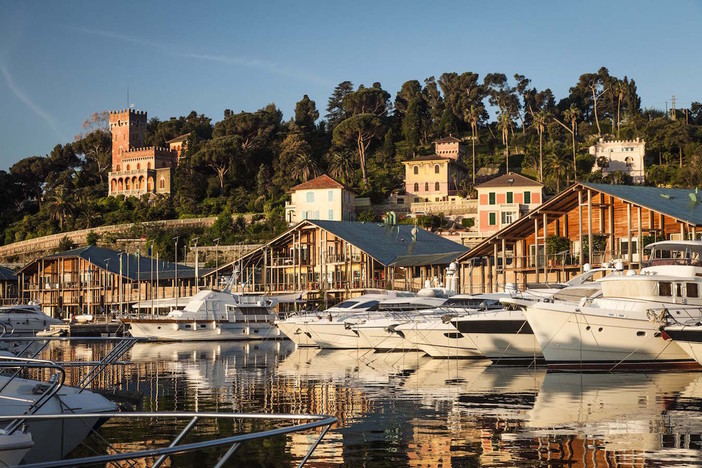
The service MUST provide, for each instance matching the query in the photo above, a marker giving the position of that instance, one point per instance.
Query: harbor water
(403, 409)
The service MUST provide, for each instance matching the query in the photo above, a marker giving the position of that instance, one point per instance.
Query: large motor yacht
(297, 327)
(341, 332)
(211, 315)
(438, 337)
(25, 320)
(618, 325)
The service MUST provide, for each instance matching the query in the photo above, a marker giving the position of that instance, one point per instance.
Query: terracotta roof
(510, 180)
(321, 182)
(179, 138)
(448, 139)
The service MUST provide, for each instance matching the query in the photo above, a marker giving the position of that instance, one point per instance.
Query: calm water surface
(405, 409)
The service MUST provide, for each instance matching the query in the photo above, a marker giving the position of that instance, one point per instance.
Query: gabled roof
(674, 202)
(387, 243)
(133, 267)
(7, 275)
(321, 182)
(448, 139)
(179, 138)
(510, 180)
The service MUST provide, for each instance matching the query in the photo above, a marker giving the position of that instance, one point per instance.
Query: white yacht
(25, 320)
(211, 315)
(339, 332)
(618, 325)
(377, 330)
(297, 327)
(437, 336)
(44, 440)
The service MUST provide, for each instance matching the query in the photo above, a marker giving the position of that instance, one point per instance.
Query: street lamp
(216, 262)
(177, 292)
(197, 266)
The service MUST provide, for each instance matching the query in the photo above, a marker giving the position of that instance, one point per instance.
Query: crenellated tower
(128, 129)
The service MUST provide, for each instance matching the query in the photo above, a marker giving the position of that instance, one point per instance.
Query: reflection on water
(405, 409)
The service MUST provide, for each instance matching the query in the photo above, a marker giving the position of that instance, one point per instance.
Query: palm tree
(506, 122)
(571, 115)
(60, 206)
(473, 115)
(304, 167)
(558, 168)
(620, 90)
(340, 166)
(540, 119)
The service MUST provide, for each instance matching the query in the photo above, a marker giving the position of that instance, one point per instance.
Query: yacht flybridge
(617, 326)
(211, 315)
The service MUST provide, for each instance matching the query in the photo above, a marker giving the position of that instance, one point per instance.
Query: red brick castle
(136, 169)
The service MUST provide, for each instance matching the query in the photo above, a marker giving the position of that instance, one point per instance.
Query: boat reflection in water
(407, 409)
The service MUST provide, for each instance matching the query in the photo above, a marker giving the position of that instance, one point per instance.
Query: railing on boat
(176, 446)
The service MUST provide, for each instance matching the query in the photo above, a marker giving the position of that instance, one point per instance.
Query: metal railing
(177, 447)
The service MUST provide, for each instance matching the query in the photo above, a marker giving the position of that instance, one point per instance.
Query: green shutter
(492, 198)
(510, 197)
(527, 197)
(492, 222)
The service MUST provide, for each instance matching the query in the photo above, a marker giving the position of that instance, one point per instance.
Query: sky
(62, 61)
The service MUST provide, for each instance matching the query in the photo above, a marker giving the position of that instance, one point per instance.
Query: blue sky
(61, 61)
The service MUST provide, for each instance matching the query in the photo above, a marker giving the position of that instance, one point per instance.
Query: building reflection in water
(410, 410)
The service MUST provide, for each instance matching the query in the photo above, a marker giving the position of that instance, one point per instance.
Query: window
(416, 170)
(665, 288)
(436, 169)
(692, 290)
(437, 186)
(527, 197)
(507, 217)
(416, 187)
(492, 219)
(510, 197)
(491, 198)
(138, 166)
(127, 166)
(629, 162)
(119, 168)
(316, 214)
(330, 195)
(426, 186)
(304, 214)
(310, 197)
(331, 215)
(162, 183)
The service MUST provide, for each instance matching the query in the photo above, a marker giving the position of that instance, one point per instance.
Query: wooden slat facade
(518, 253)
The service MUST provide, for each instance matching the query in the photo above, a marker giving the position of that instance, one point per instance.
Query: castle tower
(128, 129)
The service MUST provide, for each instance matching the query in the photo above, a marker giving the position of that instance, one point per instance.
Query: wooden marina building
(586, 223)
(9, 293)
(96, 280)
(334, 260)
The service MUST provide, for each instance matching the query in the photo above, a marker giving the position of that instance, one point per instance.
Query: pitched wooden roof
(448, 139)
(510, 180)
(321, 182)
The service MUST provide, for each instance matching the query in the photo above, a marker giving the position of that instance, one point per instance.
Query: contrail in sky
(243, 61)
(33, 106)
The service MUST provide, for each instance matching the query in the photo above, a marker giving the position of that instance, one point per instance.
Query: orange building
(136, 169)
(504, 199)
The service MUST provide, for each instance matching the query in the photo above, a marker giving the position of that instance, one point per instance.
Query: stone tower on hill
(136, 169)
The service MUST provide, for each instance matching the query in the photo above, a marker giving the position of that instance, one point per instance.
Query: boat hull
(440, 340)
(689, 338)
(297, 332)
(503, 340)
(201, 330)
(382, 339)
(579, 340)
(335, 335)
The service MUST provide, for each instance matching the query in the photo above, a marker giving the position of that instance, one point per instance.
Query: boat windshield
(346, 304)
(676, 254)
(473, 303)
